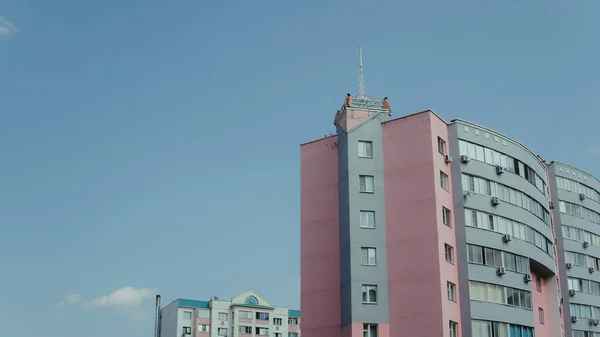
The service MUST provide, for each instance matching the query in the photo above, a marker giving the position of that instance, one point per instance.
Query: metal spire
(361, 78)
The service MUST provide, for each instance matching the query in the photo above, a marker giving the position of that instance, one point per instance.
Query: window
(441, 146)
(187, 315)
(446, 217)
(453, 329)
(222, 316)
(203, 328)
(367, 219)
(245, 315)
(292, 334)
(538, 284)
(365, 149)
(245, 330)
(449, 251)
(541, 315)
(444, 180)
(369, 330)
(497, 258)
(369, 293)
(497, 329)
(263, 316)
(292, 320)
(493, 293)
(261, 331)
(277, 334)
(203, 314)
(366, 184)
(187, 330)
(368, 256)
(451, 287)
(222, 331)
(277, 321)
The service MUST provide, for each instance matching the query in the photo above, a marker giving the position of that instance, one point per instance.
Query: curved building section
(576, 200)
(506, 248)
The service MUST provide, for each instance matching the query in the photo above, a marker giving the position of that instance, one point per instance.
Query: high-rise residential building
(245, 315)
(576, 210)
(415, 226)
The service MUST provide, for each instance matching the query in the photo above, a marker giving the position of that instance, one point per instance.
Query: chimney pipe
(157, 317)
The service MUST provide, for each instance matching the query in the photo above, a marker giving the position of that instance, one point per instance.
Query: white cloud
(73, 298)
(7, 28)
(126, 301)
(126, 297)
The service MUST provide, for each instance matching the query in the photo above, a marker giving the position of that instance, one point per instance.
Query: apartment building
(576, 210)
(415, 226)
(245, 315)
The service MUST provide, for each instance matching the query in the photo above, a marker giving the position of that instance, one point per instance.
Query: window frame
(365, 289)
(363, 145)
(366, 177)
(441, 146)
(368, 261)
(541, 318)
(453, 328)
(446, 216)
(367, 213)
(451, 290)
(446, 246)
(444, 181)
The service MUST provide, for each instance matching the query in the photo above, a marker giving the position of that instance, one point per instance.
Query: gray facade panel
(491, 239)
(511, 148)
(582, 272)
(354, 274)
(577, 246)
(584, 298)
(460, 232)
(344, 223)
(515, 181)
(573, 221)
(573, 198)
(583, 324)
(488, 274)
(502, 313)
(483, 203)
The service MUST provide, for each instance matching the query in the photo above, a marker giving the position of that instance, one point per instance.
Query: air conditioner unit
(551, 205)
(495, 201)
(464, 158)
(527, 278)
(581, 196)
(586, 244)
(573, 319)
(555, 241)
(591, 269)
(572, 292)
(569, 265)
(499, 169)
(506, 238)
(595, 321)
(500, 271)
(448, 159)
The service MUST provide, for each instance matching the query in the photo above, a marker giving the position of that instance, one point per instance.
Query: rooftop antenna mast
(361, 78)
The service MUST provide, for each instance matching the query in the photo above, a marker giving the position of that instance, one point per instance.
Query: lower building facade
(415, 226)
(248, 314)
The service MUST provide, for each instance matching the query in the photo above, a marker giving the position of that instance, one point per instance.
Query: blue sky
(155, 144)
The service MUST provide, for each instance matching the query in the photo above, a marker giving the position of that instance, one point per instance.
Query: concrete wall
(416, 259)
(353, 275)
(169, 320)
(319, 242)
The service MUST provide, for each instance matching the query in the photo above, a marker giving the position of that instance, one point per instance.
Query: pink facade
(418, 302)
(540, 301)
(320, 252)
